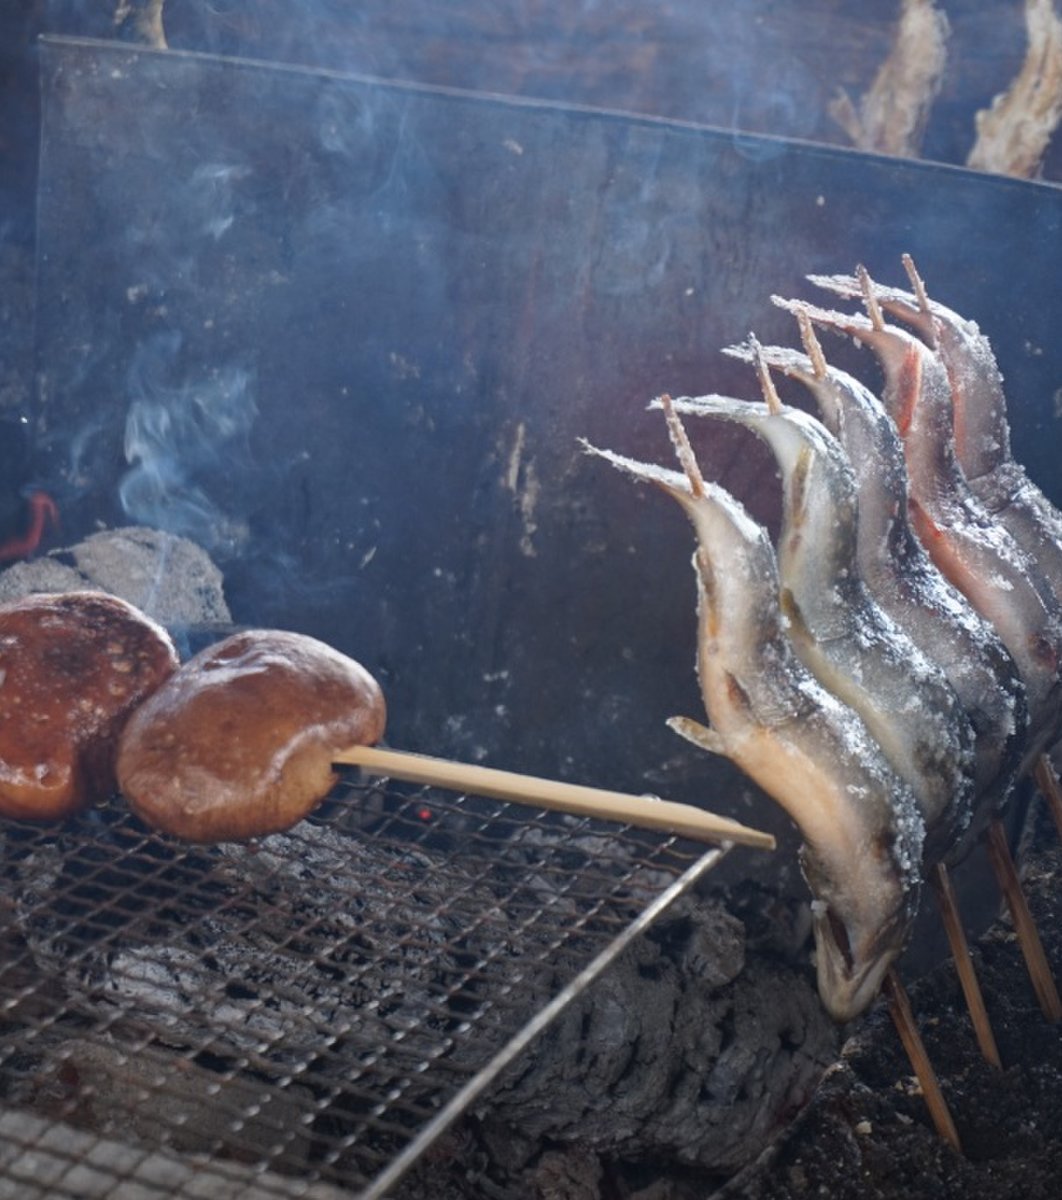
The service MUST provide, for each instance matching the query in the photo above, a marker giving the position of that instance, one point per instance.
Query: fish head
(852, 958)
(862, 926)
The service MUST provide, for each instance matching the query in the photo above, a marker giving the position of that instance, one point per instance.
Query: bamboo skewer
(645, 811)
(1024, 926)
(960, 952)
(903, 1019)
(1047, 782)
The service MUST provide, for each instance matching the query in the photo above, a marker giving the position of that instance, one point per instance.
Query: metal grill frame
(115, 894)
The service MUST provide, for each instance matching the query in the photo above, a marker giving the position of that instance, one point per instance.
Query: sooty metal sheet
(346, 334)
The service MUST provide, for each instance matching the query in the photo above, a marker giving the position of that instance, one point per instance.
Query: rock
(170, 578)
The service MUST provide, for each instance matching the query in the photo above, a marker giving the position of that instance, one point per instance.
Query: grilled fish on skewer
(938, 619)
(902, 578)
(860, 823)
(840, 633)
(970, 549)
(918, 394)
(982, 442)
(979, 406)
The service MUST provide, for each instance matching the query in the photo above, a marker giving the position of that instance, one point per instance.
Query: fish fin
(700, 735)
(671, 481)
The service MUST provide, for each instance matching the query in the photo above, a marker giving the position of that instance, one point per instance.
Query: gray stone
(170, 578)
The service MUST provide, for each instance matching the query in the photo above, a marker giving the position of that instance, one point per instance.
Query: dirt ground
(867, 1134)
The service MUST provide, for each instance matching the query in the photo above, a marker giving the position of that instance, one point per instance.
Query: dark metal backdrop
(402, 306)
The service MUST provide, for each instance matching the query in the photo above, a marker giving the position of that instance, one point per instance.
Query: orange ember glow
(44, 514)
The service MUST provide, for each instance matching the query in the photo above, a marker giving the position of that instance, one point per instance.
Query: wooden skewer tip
(812, 345)
(870, 299)
(964, 968)
(906, 1027)
(1047, 782)
(763, 373)
(680, 441)
(1032, 947)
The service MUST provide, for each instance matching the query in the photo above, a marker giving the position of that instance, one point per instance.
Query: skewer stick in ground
(960, 951)
(645, 811)
(1024, 926)
(1047, 782)
(903, 1019)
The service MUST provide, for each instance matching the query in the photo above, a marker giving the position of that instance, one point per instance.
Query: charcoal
(327, 970)
(662, 1058)
(158, 1097)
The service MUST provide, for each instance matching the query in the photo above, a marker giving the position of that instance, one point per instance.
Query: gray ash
(355, 971)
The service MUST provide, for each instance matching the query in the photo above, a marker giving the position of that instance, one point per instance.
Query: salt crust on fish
(909, 588)
(847, 641)
(974, 551)
(861, 825)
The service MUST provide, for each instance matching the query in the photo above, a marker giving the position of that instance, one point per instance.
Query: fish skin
(910, 589)
(839, 631)
(969, 547)
(861, 827)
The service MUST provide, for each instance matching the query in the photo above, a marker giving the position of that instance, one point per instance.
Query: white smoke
(181, 443)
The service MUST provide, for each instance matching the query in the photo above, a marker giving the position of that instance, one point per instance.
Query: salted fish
(979, 410)
(839, 631)
(903, 579)
(969, 547)
(861, 826)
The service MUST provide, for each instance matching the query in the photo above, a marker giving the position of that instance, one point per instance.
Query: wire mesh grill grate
(291, 1011)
